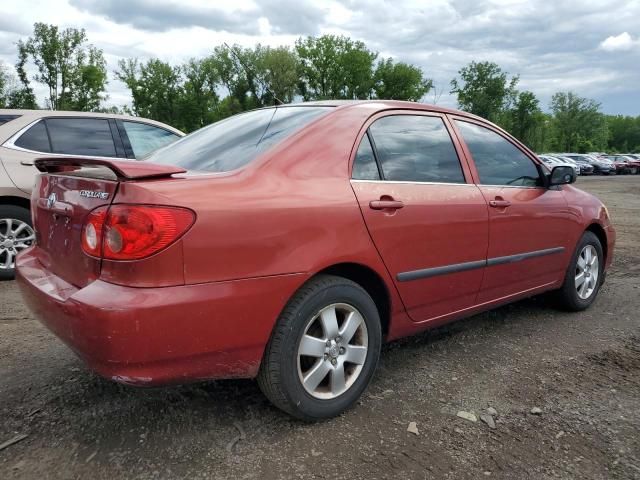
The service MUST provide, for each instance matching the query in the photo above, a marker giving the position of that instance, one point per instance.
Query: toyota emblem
(51, 200)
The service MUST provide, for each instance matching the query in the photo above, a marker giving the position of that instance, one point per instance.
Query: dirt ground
(581, 370)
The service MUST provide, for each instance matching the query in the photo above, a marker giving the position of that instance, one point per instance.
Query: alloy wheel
(587, 271)
(15, 235)
(332, 351)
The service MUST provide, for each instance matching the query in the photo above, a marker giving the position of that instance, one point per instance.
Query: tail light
(132, 232)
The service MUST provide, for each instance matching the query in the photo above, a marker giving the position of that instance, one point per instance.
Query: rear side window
(81, 136)
(7, 118)
(236, 141)
(364, 165)
(416, 148)
(35, 139)
(145, 138)
(499, 162)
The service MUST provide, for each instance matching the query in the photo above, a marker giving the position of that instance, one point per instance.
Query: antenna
(248, 70)
(436, 95)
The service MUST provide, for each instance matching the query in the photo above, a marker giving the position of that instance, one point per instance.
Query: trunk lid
(67, 191)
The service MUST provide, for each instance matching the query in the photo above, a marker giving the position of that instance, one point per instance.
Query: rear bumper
(153, 336)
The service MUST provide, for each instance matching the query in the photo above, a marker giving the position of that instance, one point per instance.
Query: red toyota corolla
(288, 243)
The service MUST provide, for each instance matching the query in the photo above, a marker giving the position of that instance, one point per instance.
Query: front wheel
(584, 275)
(323, 351)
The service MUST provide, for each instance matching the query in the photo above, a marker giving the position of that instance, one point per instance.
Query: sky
(591, 47)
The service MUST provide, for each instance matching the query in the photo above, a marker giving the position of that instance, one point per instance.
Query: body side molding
(462, 267)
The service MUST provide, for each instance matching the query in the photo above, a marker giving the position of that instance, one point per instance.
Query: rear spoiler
(122, 169)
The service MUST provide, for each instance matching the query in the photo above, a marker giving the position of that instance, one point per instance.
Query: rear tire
(584, 276)
(15, 231)
(323, 351)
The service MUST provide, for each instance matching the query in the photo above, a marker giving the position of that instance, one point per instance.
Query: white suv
(28, 134)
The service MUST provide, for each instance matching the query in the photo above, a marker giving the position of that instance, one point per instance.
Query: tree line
(234, 79)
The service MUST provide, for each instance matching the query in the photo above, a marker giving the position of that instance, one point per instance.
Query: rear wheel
(16, 234)
(323, 351)
(584, 275)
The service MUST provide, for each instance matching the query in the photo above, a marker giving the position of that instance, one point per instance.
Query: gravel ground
(582, 371)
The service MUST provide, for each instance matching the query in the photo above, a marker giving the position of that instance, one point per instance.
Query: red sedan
(288, 243)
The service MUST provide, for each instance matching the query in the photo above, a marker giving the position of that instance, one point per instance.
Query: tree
(258, 76)
(624, 133)
(3, 86)
(155, 88)
(74, 72)
(400, 81)
(198, 98)
(577, 123)
(335, 67)
(11, 94)
(484, 90)
(88, 82)
(278, 69)
(524, 120)
(234, 73)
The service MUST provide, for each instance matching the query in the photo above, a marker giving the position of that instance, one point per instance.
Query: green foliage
(278, 68)
(577, 124)
(183, 96)
(3, 86)
(525, 120)
(400, 81)
(197, 98)
(11, 94)
(74, 73)
(231, 68)
(335, 67)
(154, 87)
(188, 96)
(484, 90)
(257, 77)
(235, 79)
(624, 134)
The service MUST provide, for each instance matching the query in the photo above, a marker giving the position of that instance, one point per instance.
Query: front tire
(323, 351)
(16, 234)
(584, 275)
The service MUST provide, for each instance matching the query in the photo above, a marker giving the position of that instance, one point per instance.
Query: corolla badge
(94, 194)
(51, 200)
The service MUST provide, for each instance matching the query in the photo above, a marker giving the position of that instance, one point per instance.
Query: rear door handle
(499, 203)
(385, 204)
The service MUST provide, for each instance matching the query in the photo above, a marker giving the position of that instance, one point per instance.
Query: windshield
(237, 140)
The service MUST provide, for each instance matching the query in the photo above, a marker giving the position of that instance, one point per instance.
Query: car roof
(33, 115)
(383, 105)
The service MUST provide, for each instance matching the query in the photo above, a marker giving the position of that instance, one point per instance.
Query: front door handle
(499, 203)
(385, 204)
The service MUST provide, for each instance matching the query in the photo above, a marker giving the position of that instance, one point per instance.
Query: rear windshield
(236, 141)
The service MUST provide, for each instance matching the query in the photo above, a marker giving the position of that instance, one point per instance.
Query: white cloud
(622, 42)
(551, 45)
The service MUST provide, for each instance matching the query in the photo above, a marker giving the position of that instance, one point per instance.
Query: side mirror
(562, 175)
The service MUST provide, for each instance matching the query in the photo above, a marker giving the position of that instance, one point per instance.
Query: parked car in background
(28, 134)
(600, 167)
(585, 167)
(551, 161)
(627, 163)
(620, 168)
(288, 243)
